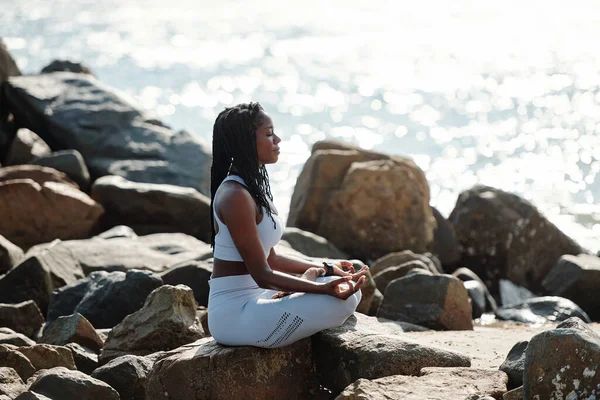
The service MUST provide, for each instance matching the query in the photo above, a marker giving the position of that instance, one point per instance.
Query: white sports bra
(269, 235)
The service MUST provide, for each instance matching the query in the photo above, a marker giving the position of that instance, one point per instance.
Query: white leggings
(242, 314)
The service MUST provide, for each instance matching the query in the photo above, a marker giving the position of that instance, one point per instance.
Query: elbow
(263, 280)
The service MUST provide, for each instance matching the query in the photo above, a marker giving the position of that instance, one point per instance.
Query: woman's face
(267, 142)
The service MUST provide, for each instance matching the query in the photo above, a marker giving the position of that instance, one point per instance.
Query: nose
(277, 139)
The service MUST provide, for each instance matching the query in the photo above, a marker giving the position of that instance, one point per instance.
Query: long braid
(234, 143)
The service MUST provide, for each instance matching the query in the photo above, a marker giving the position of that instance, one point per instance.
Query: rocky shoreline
(104, 269)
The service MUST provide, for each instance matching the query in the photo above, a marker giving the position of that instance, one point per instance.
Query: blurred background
(498, 93)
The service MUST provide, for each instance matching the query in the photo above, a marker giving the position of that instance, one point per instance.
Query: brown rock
(44, 356)
(433, 301)
(515, 394)
(24, 317)
(384, 277)
(375, 303)
(445, 243)
(34, 213)
(10, 357)
(153, 208)
(10, 255)
(434, 383)
(367, 289)
(312, 245)
(205, 370)
(506, 237)
(73, 328)
(128, 375)
(85, 359)
(29, 395)
(25, 147)
(65, 384)
(36, 173)
(11, 384)
(365, 348)
(563, 362)
(8, 336)
(8, 66)
(166, 321)
(399, 258)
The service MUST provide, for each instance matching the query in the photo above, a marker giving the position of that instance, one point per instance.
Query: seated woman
(255, 300)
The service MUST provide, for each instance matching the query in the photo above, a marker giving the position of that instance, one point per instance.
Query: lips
(277, 150)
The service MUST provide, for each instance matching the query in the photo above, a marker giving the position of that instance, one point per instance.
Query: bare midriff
(223, 268)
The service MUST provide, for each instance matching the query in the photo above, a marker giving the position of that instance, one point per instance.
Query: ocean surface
(502, 93)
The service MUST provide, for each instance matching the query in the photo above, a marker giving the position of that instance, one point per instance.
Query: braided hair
(234, 144)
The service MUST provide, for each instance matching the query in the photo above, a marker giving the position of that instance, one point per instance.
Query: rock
(194, 274)
(511, 294)
(399, 258)
(445, 243)
(434, 383)
(36, 173)
(29, 395)
(324, 201)
(312, 245)
(114, 137)
(73, 328)
(433, 301)
(10, 357)
(8, 66)
(514, 365)
(44, 356)
(34, 213)
(206, 370)
(384, 277)
(153, 208)
(24, 317)
(166, 321)
(506, 237)
(576, 278)
(10, 255)
(25, 147)
(367, 289)
(563, 362)
(11, 384)
(477, 292)
(375, 303)
(110, 297)
(541, 310)
(66, 66)
(85, 359)
(70, 162)
(64, 384)
(64, 300)
(365, 348)
(515, 394)
(128, 375)
(465, 275)
(154, 253)
(119, 231)
(8, 336)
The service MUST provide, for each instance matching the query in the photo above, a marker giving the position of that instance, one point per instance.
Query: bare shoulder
(233, 198)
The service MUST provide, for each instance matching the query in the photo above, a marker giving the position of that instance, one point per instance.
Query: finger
(345, 263)
(359, 283)
(341, 272)
(360, 273)
(337, 281)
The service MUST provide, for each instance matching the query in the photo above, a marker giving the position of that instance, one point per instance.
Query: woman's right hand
(343, 287)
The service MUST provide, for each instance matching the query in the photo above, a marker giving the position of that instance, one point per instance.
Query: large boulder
(445, 242)
(505, 237)
(542, 309)
(367, 204)
(10, 255)
(433, 301)
(25, 147)
(114, 137)
(153, 208)
(401, 257)
(365, 348)
(44, 356)
(577, 278)
(312, 245)
(34, 213)
(66, 66)
(166, 321)
(11, 384)
(434, 383)
(194, 274)
(384, 277)
(514, 365)
(128, 375)
(8, 336)
(70, 162)
(65, 384)
(10, 357)
(8, 66)
(563, 363)
(36, 173)
(72, 329)
(206, 370)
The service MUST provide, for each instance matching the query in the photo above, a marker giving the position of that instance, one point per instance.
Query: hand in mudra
(347, 285)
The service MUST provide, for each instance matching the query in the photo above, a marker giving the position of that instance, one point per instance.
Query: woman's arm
(290, 264)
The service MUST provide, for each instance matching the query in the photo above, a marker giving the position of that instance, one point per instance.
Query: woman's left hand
(339, 266)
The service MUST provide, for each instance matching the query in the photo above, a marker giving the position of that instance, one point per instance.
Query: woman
(254, 298)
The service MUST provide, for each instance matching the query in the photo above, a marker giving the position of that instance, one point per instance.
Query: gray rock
(476, 292)
(85, 359)
(10, 357)
(70, 162)
(465, 275)
(10, 255)
(8, 336)
(445, 243)
(541, 310)
(73, 328)
(25, 147)
(64, 384)
(25, 317)
(514, 365)
(153, 208)
(36, 173)
(511, 294)
(433, 301)
(128, 375)
(119, 231)
(563, 362)
(114, 137)
(166, 321)
(505, 237)
(365, 348)
(65, 299)
(11, 384)
(577, 278)
(29, 395)
(312, 245)
(194, 274)
(66, 66)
